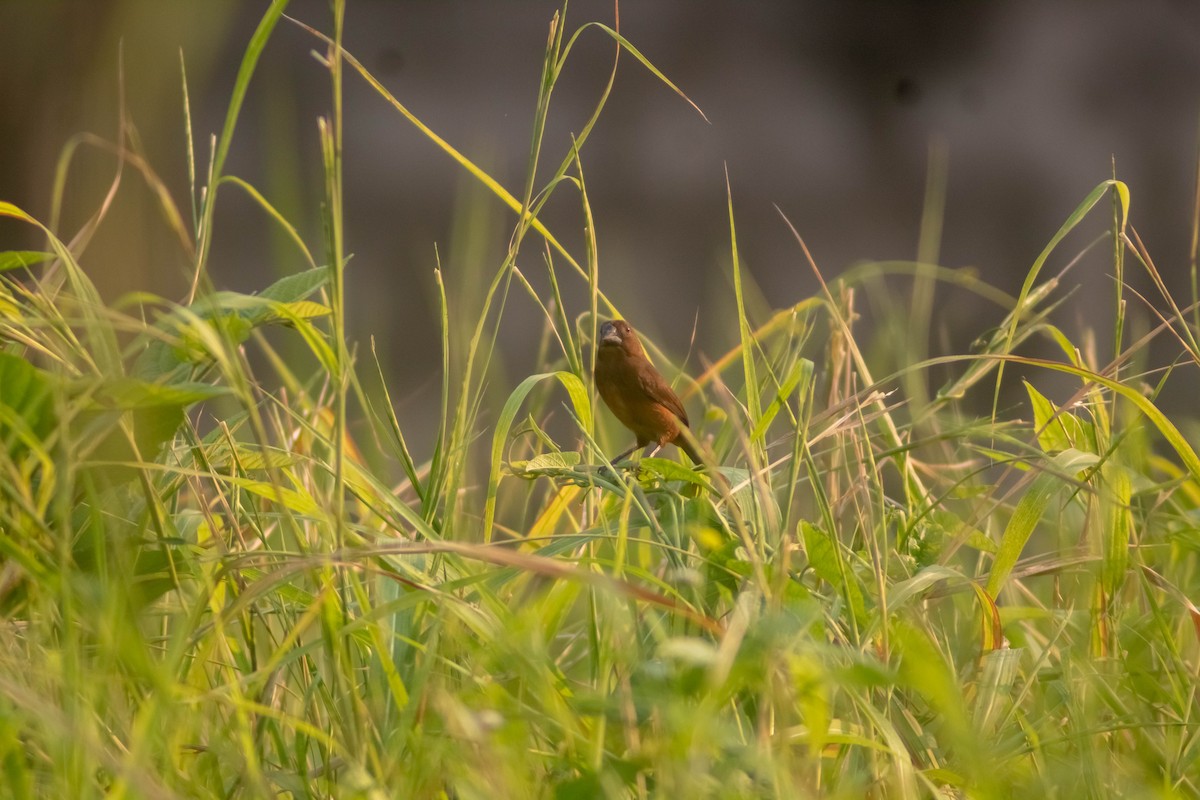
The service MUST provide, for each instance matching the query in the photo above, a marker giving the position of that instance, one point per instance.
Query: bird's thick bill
(609, 334)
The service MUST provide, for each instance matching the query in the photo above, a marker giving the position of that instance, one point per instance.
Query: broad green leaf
(546, 462)
(953, 525)
(297, 287)
(287, 312)
(23, 388)
(130, 393)
(821, 554)
(294, 500)
(155, 412)
(673, 471)
(1074, 462)
(26, 410)
(235, 315)
(1021, 524)
(826, 560)
(1058, 430)
(20, 259)
(1167, 428)
(252, 458)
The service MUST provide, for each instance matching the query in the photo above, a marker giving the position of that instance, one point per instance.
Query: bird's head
(618, 334)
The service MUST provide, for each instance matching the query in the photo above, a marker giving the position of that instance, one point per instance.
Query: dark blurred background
(828, 109)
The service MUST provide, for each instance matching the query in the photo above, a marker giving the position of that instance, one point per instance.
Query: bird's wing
(658, 390)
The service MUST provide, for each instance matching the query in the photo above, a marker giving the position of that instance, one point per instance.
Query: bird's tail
(683, 444)
(721, 483)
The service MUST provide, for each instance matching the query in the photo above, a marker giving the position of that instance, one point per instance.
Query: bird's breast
(621, 379)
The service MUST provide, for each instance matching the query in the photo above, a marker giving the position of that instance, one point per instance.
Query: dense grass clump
(224, 577)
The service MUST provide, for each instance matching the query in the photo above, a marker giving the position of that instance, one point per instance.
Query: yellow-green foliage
(224, 573)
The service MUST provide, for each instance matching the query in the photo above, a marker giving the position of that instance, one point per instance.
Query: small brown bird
(636, 392)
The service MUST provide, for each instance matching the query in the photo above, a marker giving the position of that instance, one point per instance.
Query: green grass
(223, 576)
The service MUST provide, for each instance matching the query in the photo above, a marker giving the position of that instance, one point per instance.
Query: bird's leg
(624, 455)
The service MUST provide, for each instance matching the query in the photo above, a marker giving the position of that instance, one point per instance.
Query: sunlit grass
(224, 576)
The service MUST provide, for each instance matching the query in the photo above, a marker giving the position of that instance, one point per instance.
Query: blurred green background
(829, 110)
